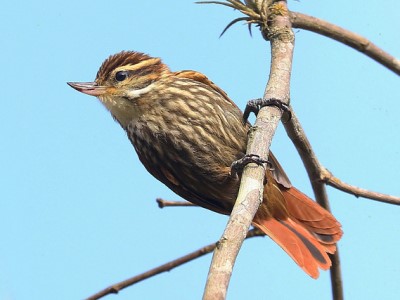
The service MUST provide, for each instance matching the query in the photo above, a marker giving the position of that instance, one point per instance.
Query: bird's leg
(256, 104)
(238, 165)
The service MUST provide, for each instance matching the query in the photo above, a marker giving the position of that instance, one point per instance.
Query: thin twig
(329, 179)
(313, 167)
(250, 193)
(115, 288)
(165, 203)
(347, 37)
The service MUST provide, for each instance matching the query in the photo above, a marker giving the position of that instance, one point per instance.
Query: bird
(187, 133)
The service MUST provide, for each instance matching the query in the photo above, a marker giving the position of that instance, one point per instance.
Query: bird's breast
(189, 145)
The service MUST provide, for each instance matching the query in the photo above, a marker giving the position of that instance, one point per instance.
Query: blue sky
(77, 209)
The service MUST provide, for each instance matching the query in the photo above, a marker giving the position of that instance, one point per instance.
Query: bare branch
(325, 176)
(313, 167)
(328, 178)
(319, 174)
(258, 10)
(336, 276)
(346, 37)
(251, 188)
(115, 288)
(165, 203)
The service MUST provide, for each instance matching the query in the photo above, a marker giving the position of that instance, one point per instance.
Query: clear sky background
(78, 210)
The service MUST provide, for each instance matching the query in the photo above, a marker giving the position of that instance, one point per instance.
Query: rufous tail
(306, 231)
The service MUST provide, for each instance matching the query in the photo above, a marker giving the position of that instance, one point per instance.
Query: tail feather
(312, 216)
(307, 232)
(297, 243)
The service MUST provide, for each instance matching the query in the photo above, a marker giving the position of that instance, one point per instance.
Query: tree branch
(329, 179)
(313, 167)
(347, 37)
(115, 288)
(250, 195)
(164, 203)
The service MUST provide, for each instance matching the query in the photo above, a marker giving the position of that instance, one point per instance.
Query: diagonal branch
(313, 167)
(347, 37)
(251, 188)
(319, 174)
(258, 10)
(115, 288)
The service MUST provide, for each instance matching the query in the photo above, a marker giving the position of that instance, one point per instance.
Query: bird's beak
(89, 88)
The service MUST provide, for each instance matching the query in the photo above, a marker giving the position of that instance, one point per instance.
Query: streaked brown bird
(187, 133)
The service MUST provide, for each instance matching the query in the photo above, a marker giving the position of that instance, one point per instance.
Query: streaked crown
(130, 68)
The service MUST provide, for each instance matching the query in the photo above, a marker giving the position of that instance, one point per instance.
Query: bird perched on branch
(187, 133)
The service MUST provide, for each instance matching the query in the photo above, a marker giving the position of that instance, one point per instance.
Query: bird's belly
(193, 167)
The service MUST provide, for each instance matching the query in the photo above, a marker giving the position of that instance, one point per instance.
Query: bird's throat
(122, 109)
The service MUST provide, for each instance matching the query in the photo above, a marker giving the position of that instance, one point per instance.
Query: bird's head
(121, 81)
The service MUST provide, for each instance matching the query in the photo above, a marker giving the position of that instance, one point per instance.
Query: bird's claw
(256, 104)
(238, 165)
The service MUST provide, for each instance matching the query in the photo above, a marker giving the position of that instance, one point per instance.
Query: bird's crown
(129, 64)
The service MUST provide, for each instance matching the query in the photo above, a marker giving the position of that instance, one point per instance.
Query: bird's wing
(277, 170)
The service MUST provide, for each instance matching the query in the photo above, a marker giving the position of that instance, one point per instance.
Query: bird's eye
(121, 75)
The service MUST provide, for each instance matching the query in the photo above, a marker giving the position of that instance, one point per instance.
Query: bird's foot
(256, 104)
(238, 165)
